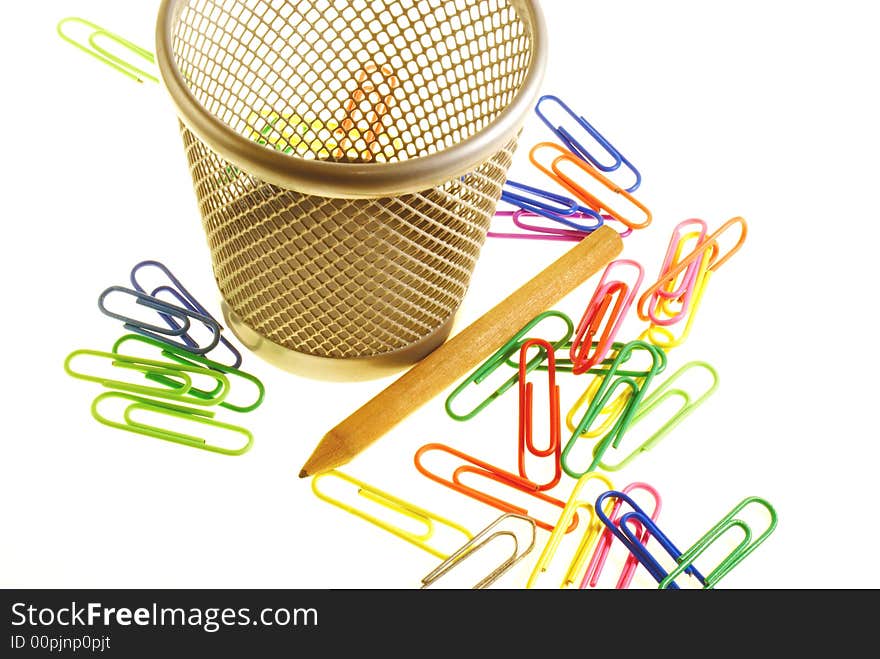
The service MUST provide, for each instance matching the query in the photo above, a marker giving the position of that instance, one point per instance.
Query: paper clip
(541, 202)
(592, 530)
(185, 299)
(707, 259)
(142, 405)
(746, 546)
(677, 291)
(659, 396)
(491, 472)
(565, 210)
(585, 353)
(498, 359)
(603, 547)
(187, 358)
(534, 232)
(491, 533)
(103, 55)
(554, 171)
(611, 411)
(609, 384)
(645, 528)
(424, 517)
(526, 409)
(578, 149)
(183, 318)
(178, 378)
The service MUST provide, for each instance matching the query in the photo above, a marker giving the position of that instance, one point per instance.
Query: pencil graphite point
(303, 474)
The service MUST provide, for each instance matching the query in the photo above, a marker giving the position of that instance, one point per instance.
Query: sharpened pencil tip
(303, 474)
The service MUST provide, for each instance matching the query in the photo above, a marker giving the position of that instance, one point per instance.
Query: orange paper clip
(526, 409)
(485, 470)
(567, 159)
(610, 290)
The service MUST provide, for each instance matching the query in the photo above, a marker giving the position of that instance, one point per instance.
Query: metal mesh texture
(348, 81)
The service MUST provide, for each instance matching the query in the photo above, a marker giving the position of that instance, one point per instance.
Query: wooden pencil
(463, 352)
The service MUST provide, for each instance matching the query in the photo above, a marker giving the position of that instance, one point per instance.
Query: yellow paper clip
(593, 528)
(395, 504)
(500, 528)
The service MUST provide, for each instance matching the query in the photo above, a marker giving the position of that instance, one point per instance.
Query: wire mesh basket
(347, 156)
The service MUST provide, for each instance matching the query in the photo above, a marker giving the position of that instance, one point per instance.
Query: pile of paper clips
(171, 336)
(619, 384)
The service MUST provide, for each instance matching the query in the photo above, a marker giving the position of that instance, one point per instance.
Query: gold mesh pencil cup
(347, 157)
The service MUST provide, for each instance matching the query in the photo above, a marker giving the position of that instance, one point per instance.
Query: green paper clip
(180, 375)
(181, 356)
(146, 405)
(611, 381)
(745, 547)
(663, 393)
(496, 360)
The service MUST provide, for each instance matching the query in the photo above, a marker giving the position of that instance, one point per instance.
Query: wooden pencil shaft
(463, 352)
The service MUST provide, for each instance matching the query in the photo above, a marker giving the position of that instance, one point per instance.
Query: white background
(766, 110)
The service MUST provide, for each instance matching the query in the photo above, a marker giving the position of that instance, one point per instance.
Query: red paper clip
(526, 409)
(615, 291)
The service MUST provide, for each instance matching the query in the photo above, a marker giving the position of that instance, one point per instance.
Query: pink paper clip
(526, 408)
(684, 292)
(541, 232)
(606, 541)
(609, 291)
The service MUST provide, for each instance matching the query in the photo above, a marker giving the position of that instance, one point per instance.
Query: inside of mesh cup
(353, 80)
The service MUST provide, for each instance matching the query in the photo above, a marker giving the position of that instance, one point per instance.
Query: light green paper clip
(178, 378)
(190, 359)
(93, 48)
(146, 405)
(663, 393)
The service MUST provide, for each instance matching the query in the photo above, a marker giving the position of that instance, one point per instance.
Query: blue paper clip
(631, 540)
(185, 299)
(550, 205)
(500, 357)
(166, 334)
(575, 146)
